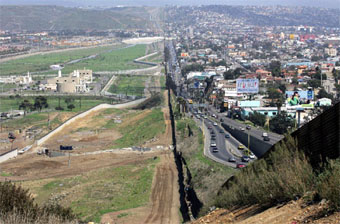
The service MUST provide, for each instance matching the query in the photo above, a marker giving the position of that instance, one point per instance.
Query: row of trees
(40, 102)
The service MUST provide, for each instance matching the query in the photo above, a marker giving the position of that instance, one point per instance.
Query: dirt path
(164, 208)
(164, 204)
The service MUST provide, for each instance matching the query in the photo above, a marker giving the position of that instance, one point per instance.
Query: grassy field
(97, 192)
(129, 85)
(142, 129)
(120, 59)
(4, 87)
(81, 104)
(43, 61)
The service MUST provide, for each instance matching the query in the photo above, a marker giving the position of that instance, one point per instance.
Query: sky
(110, 3)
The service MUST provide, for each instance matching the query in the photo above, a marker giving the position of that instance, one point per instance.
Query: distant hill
(37, 18)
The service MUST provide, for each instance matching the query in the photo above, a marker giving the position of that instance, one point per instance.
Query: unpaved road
(163, 207)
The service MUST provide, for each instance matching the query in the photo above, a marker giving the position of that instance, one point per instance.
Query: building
(76, 82)
(23, 80)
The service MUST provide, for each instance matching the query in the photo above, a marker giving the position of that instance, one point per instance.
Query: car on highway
(221, 131)
(240, 165)
(245, 159)
(209, 127)
(248, 127)
(213, 138)
(264, 134)
(232, 160)
(214, 149)
(205, 117)
(227, 136)
(242, 129)
(215, 124)
(266, 138)
(213, 144)
(214, 115)
(221, 120)
(251, 155)
(240, 147)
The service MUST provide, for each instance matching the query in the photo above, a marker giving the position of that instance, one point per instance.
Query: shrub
(17, 206)
(284, 175)
(328, 186)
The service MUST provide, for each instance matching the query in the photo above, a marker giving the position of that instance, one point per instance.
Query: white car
(213, 144)
(252, 156)
(215, 124)
(265, 134)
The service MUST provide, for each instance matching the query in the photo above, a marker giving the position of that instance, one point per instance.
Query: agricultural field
(129, 85)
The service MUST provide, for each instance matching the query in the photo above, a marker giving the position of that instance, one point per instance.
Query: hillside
(38, 18)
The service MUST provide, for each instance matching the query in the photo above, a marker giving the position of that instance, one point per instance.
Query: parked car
(232, 160)
(240, 147)
(240, 166)
(221, 120)
(266, 138)
(245, 159)
(227, 136)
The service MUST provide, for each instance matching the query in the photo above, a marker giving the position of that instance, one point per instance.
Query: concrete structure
(23, 80)
(76, 82)
(8, 155)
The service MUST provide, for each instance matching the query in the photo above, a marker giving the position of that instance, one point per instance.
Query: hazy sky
(314, 3)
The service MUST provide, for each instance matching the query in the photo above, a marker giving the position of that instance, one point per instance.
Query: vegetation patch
(284, 175)
(95, 193)
(129, 85)
(142, 130)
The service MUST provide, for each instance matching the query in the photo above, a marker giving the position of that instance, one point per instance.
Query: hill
(38, 18)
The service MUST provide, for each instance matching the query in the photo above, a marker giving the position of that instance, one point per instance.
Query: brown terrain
(294, 212)
(87, 135)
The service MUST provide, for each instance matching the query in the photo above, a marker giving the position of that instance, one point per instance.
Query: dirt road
(164, 206)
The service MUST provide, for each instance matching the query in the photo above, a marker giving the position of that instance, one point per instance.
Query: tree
(40, 102)
(280, 123)
(257, 118)
(228, 75)
(26, 106)
(323, 94)
(314, 83)
(275, 67)
(70, 106)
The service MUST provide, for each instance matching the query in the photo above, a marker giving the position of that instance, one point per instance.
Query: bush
(329, 184)
(59, 108)
(283, 176)
(18, 206)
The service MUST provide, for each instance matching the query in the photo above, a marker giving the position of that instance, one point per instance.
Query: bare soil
(293, 212)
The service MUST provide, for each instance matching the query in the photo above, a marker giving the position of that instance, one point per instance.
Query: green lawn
(129, 85)
(43, 61)
(4, 87)
(101, 191)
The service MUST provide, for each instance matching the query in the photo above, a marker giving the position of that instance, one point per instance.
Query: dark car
(221, 131)
(232, 160)
(209, 127)
(266, 138)
(213, 138)
(248, 127)
(227, 136)
(221, 120)
(240, 165)
(214, 149)
(245, 159)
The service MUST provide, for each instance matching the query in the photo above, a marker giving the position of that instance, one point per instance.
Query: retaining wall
(8, 155)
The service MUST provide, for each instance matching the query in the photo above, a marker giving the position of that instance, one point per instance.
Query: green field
(129, 85)
(4, 87)
(81, 104)
(101, 191)
(117, 59)
(120, 59)
(43, 61)
(143, 129)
